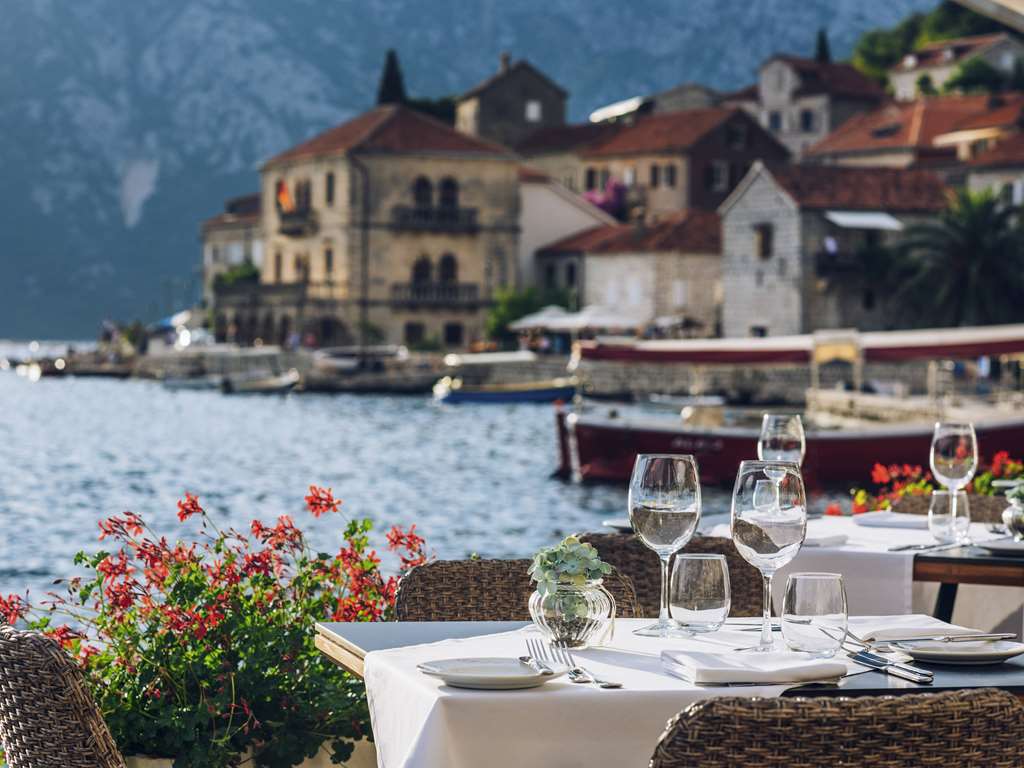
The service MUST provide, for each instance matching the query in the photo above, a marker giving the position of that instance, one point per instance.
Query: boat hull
(606, 448)
(546, 395)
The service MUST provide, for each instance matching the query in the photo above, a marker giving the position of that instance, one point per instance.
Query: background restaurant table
(419, 722)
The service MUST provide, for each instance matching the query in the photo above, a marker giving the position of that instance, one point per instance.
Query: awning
(538, 319)
(864, 220)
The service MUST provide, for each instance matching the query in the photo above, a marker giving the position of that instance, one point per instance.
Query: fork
(535, 657)
(578, 673)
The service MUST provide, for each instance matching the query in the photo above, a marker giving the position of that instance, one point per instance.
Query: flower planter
(364, 756)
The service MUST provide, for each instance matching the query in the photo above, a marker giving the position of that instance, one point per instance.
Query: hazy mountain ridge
(125, 124)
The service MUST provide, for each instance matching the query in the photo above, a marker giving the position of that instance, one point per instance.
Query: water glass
(664, 510)
(949, 522)
(814, 616)
(782, 438)
(699, 595)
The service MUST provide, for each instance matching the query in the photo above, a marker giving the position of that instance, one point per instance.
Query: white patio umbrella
(538, 319)
(595, 316)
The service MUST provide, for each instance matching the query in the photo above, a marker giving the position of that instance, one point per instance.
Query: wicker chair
(48, 719)
(483, 590)
(629, 555)
(984, 509)
(958, 729)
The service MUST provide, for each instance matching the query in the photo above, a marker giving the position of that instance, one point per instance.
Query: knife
(950, 638)
(881, 664)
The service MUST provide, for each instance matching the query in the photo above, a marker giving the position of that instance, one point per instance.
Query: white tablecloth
(418, 722)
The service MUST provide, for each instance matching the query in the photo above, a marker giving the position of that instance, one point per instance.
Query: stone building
(799, 244)
(557, 150)
(667, 274)
(513, 103)
(939, 61)
(679, 160)
(231, 239)
(391, 227)
(1000, 170)
(801, 101)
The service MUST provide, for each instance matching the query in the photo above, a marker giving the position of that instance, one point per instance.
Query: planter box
(364, 756)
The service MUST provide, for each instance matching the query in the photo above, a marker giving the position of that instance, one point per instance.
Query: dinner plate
(887, 519)
(980, 652)
(496, 674)
(1006, 547)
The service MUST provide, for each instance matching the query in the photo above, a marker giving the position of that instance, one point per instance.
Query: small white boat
(255, 383)
(192, 383)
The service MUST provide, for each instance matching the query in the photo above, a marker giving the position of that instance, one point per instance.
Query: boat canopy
(454, 360)
(875, 346)
(864, 220)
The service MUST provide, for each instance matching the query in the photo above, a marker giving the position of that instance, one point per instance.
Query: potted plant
(203, 652)
(570, 604)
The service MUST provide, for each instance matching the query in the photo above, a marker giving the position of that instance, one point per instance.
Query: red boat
(601, 443)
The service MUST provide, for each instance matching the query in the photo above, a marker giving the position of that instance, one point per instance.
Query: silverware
(925, 547)
(958, 638)
(535, 648)
(561, 653)
(882, 664)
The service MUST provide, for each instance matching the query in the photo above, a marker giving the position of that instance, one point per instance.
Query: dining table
(419, 721)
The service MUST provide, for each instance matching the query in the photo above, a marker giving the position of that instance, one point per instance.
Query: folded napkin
(886, 519)
(881, 629)
(836, 540)
(775, 668)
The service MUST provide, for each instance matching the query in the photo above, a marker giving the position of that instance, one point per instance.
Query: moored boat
(454, 390)
(193, 383)
(260, 384)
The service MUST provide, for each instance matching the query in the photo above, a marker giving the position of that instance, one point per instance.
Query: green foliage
(392, 85)
(967, 268)
(246, 272)
(568, 562)
(975, 75)
(925, 86)
(510, 305)
(426, 344)
(822, 52)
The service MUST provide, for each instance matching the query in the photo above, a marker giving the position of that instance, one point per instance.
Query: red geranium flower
(321, 500)
(834, 510)
(189, 507)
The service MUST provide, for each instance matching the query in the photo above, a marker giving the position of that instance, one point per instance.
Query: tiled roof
(667, 132)
(566, 138)
(934, 54)
(238, 210)
(693, 231)
(1008, 153)
(874, 189)
(1000, 111)
(497, 77)
(833, 78)
(389, 128)
(900, 125)
(750, 93)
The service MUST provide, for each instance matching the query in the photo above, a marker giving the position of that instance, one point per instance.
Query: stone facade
(231, 239)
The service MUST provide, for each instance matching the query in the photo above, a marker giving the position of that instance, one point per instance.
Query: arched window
(448, 270)
(449, 193)
(423, 192)
(422, 271)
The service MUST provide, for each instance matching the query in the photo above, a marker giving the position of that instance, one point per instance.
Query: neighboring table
(965, 565)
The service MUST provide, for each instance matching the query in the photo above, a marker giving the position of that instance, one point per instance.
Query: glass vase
(573, 615)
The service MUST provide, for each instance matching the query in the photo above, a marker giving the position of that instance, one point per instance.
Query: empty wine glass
(664, 510)
(769, 523)
(700, 594)
(954, 457)
(949, 522)
(814, 615)
(782, 438)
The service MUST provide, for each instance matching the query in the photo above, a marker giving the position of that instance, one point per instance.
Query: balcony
(301, 222)
(443, 295)
(450, 220)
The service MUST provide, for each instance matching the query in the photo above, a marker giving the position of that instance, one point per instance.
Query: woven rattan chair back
(629, 555)
(984, 509)
(48, 719)
(484, 590)
(958, 729)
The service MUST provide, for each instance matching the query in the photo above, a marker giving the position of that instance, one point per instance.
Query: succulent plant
(571, 561)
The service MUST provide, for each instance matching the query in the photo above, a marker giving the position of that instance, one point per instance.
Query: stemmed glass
(664, 510)
(782, 438)
(769, 523)
(954, 459)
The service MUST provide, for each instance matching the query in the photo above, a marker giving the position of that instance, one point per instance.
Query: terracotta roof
(666, 132)
(566, 138)
(833, 78)
(527, 174)
(244, 210)
(898, 125)
(497, 77)
(875, 189)
(750, 93)
(389, 128)
(1008, 153)
(933, 54)
(693, 231)
(1000, 111)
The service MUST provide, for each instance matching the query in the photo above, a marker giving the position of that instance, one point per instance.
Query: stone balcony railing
(451, 220)
(301, 222)
(456, 295)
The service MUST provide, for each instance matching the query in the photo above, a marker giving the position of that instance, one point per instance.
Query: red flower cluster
(188, 507)
(12, 608)
(321, 500)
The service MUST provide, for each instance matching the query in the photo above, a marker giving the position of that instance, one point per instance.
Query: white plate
(1008, 547)
(980, 652)
(887, 519)
(498, 674)
(620, 524)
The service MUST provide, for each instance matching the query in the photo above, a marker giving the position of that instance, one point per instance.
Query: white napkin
(775, 668)
(897, 627)
(887, 519)
(836, 540)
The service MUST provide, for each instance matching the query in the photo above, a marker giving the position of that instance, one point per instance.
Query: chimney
(506, 60)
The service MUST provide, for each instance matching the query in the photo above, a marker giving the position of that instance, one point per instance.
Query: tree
(966, 268)
(821, 48)
(510, 305)
(392, 85)
(976, 75)
(925, 86)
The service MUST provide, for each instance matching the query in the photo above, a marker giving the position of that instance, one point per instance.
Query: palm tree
(967, 268)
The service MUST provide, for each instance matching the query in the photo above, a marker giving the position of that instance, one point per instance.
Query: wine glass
(769, 523)
(664, 510)
(954, 458)
(782, 438)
